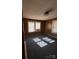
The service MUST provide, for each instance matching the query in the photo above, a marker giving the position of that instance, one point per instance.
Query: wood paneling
(23, 35)
(25, 26)
(46, 26)
(49, 27)
(43, 27)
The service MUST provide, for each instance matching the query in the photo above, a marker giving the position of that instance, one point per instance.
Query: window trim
(34, 26)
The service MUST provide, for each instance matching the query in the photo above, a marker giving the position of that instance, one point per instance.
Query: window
(37, 26)
(54, 26)
(34, 26)
(31, 27)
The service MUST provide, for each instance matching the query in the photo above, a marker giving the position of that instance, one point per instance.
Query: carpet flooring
(34, 51)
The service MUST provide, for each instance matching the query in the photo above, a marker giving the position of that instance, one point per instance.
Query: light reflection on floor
(37, 39)
(43, 42)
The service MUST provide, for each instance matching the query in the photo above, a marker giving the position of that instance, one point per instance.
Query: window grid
(34, 28)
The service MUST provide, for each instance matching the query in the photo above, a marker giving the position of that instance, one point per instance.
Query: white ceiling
(34, 9)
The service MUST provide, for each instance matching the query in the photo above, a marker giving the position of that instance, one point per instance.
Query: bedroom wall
(50, 27)
(46, 27)
(43, 26)
(25, 27)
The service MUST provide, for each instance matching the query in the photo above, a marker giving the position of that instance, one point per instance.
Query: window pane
(31, 27)
(38, 24)
(54, 26)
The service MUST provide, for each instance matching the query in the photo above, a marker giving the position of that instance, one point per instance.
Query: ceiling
(35, 9)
